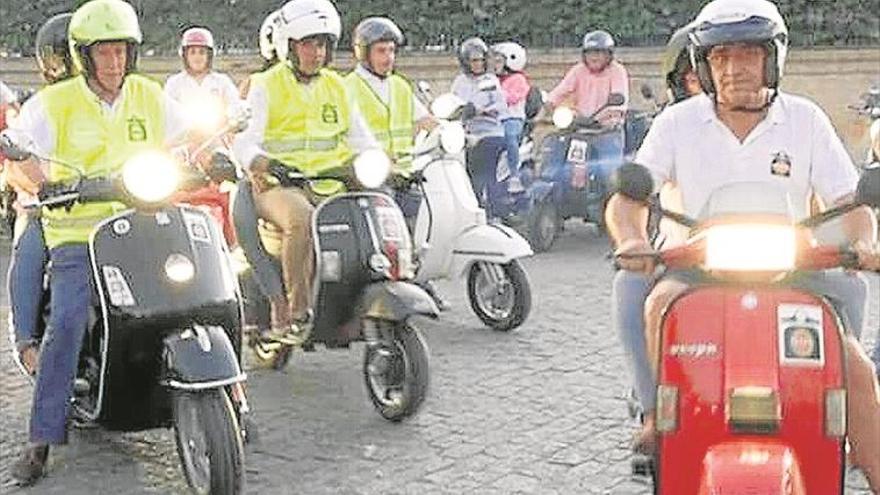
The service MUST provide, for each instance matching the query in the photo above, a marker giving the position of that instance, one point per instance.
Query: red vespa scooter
(751, 392)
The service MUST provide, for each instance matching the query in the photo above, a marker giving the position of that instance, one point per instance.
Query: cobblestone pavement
(540, 410)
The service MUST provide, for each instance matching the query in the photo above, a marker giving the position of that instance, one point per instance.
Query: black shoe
(28, 469)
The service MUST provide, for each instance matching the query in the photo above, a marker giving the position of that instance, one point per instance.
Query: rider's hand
(427, 124)
(869, 255)
(258, 171)
(26, 176)
(643, 264)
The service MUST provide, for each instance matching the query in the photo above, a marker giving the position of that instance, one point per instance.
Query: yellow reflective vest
(97, 142)
(307, 124)
(391, 123)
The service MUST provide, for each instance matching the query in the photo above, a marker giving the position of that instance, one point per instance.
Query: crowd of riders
(96, 110)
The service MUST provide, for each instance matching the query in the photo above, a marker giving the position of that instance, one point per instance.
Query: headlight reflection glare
(750, 247)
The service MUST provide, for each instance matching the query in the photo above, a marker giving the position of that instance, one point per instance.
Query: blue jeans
(25, 282)
(848, 294)
(70, 282)
(513, 129)
(482, 164)
(244, 219)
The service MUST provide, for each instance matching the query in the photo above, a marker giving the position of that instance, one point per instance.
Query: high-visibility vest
(98, 143)
(391, 123)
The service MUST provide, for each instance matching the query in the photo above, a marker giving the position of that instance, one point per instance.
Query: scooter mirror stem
(12, 150)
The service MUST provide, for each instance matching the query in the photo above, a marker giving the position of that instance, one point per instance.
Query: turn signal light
(835, 412)
(667, 408)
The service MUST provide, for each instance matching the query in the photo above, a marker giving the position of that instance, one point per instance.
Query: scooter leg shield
(493, 243)
(201, 357)
(396, 301)
(747, 467)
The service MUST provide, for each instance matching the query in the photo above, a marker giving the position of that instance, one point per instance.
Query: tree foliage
(444, 23)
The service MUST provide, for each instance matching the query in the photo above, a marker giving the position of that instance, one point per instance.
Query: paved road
(537, 411)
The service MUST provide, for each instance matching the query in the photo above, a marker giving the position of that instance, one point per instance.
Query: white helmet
(514, 55)
(303, 18)
(267, 32)
(739, 21)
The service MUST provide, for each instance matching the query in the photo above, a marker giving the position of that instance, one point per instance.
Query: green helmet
(103, 20)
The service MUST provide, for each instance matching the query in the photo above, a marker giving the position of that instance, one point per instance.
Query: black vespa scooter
(163, 344)
(363, 287)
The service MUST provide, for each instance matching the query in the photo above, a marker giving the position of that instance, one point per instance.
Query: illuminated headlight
(835, 412)
(151, 177)
(179, 268)
(750, 247)
(667, 408)
(452, 137)
(563, 117)
(372, 168)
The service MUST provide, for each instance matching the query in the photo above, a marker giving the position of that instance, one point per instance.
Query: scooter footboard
(200, 357)
(396, 301)
(752, 467)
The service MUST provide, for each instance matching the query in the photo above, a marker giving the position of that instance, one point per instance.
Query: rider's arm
(246, 146)
(31, 131)
(230, 91)
(619, 84)
(422, 118)
(359, 136)
(564, 88)
(834, 177)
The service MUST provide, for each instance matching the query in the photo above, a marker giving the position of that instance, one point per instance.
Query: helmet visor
(751, 30)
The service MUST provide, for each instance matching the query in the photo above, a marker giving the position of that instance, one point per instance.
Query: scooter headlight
(151, 177)
(179, 268)
(563, 117)
(372, 168)
(750, 247)
(452, 137)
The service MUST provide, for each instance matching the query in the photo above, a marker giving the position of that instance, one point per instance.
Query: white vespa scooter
(452, 236)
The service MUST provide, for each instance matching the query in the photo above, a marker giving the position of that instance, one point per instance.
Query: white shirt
(689, 146)
(382, 88)
(248, 143)
(182, 86)
(7, 96)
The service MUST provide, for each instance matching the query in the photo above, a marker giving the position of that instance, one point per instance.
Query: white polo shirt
(794, 146)
(182, 86)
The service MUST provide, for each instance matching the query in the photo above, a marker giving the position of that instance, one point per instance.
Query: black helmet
(471, 48)
(739, 21)
(676, 63)
(53, 51)
(373, 30)
(598, 41)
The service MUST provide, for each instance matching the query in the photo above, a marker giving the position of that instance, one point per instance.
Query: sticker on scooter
(197, 227)
(800, 335)
(390, 223)
(577, 151)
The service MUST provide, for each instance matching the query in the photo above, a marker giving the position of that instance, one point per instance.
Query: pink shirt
(515, 88)
(591, 90)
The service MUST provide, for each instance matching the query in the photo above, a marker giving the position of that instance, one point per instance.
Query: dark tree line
(444, 23)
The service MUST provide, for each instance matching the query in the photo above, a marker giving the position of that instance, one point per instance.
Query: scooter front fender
(200, 357)
(751, 467)
(396, 301)
(493, 243)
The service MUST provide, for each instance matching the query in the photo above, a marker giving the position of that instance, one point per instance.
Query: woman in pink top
(509, 64)
(590, 82)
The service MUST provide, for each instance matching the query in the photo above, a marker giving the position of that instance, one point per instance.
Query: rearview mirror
(445, 105)
(12, 151)
(647, 91)
(424, 87)
(868, 190)
(633, 181)
(615, 99)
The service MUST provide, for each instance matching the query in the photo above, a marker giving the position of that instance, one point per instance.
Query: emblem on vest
(329, 114)
(137, 130)
(780, 165)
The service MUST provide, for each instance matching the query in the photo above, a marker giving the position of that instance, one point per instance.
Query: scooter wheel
(544, 227)
(396, 372)
(500, 295)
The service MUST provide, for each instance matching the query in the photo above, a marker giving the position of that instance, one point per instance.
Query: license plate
(577, 151)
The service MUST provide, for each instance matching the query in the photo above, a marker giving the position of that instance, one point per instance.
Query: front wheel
(396, 371)
(208, 441)
(544, 227)
(499, 294)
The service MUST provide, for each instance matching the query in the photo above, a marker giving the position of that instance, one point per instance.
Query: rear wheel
(544, 227)
(208, 441)
(396, 371)
(499, 294)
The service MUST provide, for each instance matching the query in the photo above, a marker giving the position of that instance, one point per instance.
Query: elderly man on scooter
(589, 83)
(302, 117)
(742, 122)
(96, 121)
